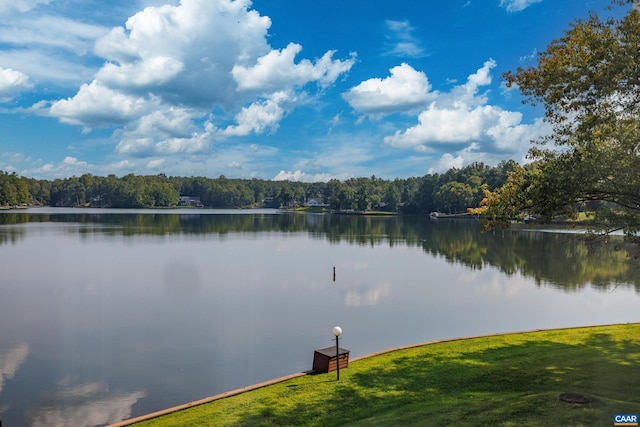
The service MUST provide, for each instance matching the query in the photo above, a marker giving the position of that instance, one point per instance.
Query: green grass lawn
(506, 380)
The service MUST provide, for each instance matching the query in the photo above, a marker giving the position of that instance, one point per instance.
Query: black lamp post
(337, 331)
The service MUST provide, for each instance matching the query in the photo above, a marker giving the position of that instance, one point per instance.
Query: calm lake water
(110, 314)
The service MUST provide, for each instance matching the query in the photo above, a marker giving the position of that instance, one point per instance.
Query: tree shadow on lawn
(498, 385)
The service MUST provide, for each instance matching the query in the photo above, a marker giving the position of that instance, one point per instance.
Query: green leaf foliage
(589, 84)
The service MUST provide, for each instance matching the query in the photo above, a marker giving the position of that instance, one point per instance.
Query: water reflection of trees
(567, 261)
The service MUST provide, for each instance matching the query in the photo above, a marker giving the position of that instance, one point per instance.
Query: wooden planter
(324, 360)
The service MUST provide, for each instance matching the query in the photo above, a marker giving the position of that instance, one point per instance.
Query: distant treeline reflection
(567, 261)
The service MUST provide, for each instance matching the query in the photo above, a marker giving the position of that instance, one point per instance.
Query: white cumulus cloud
(98, 105)
(446, 162)
(277, 70)
(155, 71)
(171, 67)
(300, 176)
(469, 92)
(167, 130)
(257, 117)
(181, 55)
(463, 118)
(404, 90)
(12, 82)
(444, 125)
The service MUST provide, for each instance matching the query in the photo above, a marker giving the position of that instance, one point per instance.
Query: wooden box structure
(324, 360)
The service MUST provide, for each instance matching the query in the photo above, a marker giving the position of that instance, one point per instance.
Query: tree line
(450, 192)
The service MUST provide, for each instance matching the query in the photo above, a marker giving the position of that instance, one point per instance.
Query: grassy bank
(507, 380)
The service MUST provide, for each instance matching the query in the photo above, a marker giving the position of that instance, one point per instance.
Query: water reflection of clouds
(10, 362)
(366, 297)
(84, 405)
(488, 282)
(360, 293)
(360, 266)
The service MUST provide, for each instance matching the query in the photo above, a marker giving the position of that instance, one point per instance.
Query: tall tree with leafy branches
(588, 82)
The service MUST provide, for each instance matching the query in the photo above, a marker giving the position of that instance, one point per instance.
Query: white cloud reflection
(366, 297)
(84, 405)
(10, 362)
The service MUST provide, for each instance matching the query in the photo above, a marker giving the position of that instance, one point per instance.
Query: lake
(111, 314)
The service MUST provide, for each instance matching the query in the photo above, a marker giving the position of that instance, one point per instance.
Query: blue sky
(273, 89)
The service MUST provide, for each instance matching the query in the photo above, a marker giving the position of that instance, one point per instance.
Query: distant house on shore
(315, 202)
(190, 201)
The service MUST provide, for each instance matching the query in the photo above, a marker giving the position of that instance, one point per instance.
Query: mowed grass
(505, 380)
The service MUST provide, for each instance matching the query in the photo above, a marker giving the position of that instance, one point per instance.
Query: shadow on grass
(500, 385)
